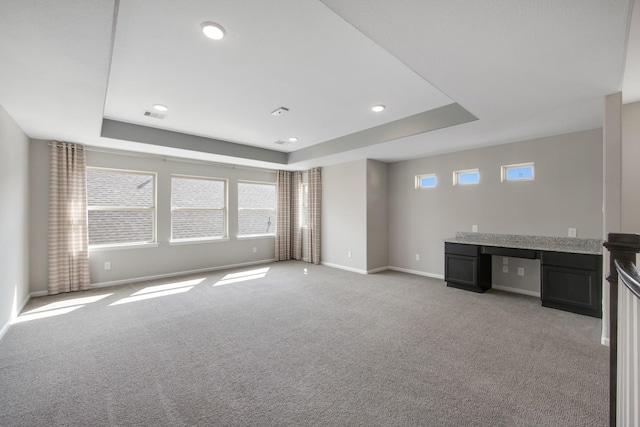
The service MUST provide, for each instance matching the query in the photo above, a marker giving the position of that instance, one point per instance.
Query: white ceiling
(454, 74)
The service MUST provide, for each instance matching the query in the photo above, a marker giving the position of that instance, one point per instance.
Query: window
(426, 181)
(304, 204)
(198, 208)
(256, 209)
(518, 172)
(121, 207)
(466, 177)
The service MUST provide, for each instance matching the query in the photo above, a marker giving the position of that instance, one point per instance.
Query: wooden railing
(624, 330)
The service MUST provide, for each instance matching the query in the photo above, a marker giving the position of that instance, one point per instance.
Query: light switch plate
(505, 268)
(520, 271)
(474, 228)
(573, 232)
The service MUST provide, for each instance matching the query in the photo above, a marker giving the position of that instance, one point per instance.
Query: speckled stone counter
(538, 243)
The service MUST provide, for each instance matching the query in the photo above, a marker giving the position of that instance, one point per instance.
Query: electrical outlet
(349, 254)
(255, 249)
(417, 257)
(520, 271)
(573, 232)
(474, 228)
(107, 265)
(505, 268)
(505, 260)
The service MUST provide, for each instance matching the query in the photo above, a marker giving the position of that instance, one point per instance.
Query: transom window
(426, 181)
(198, 208)
(256, 209)
(121, 207)
(466, 177)
(518, 172)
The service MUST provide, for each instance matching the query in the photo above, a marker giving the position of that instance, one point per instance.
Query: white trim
(200, 240)
(416, 272)
(181, 273)
(342, 267)
(604, 341)
(516, 290)
(38, 294)
(5, 328)
(377, 270)
(121, 246)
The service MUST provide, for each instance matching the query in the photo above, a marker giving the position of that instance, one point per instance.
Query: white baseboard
(180, 273)
(377, 270)
(516, 290)
(38, 294)
(6, 326)
(416, 272)
(604, 341)
(342, 267)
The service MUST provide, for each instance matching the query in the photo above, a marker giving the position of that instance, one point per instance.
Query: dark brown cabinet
(572, 282)
(569, 281)
(467, 268)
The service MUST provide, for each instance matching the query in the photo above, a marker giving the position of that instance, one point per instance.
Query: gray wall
(567, 192)
(14, 241)
(344, 215)
(163, 258)
(377, 215)
(355, 215)
(630, 169)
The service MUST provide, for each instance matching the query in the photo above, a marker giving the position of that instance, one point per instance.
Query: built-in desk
(571, 268)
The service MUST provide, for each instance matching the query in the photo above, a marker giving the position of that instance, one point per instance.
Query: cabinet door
(572, 290)
(461, 269)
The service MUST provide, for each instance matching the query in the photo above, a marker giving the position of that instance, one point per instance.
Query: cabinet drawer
(461, 249)
(581, 261)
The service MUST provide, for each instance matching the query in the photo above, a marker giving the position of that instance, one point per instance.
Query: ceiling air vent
(280, 142)
(154, 115)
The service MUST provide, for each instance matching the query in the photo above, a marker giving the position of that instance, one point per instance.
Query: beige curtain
(315, 208)
(283, 216)
(288, 233)
(68, 238)
(296, 231)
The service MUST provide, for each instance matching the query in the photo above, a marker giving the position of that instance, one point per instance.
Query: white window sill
(256, 236)
(100, 248)
(193, 241)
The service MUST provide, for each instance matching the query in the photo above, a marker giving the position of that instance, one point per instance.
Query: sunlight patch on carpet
(243, 276)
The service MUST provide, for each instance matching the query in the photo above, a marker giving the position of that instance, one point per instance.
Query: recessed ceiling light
(160, 107)
(213, 31)
(293, 139)
(378, 108)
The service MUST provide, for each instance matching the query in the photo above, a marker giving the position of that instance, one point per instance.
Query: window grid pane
(115, 188)
(197, 193)
(467, 177)
(197, 224)
(117, 227)
(517, 173)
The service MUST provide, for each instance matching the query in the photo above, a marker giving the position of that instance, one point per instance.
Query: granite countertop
(539, 243)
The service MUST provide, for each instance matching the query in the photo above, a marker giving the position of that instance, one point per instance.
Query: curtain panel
(313, 222)
(68, 233)
(288, 233)
(283, 216)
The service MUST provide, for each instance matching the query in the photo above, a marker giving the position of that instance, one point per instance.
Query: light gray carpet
(328, 347)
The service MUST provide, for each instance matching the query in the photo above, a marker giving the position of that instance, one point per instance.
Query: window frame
(275, 209)
(225, 210)
(418, 182)
(456, 175)
(504, 169)
(154, 209)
